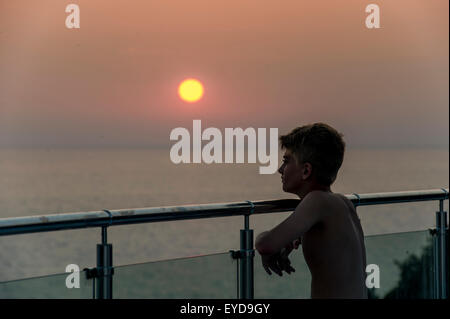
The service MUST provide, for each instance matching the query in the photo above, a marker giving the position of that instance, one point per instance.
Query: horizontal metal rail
(105, 218)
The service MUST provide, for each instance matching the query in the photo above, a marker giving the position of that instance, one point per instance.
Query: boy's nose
(280, 170)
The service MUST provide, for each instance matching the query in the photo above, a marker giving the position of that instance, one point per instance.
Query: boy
(324, 223)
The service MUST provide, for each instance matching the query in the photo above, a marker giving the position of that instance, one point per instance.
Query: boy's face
(291, 173)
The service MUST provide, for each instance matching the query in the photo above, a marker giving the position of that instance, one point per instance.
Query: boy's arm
(260, 236)
(309, 212)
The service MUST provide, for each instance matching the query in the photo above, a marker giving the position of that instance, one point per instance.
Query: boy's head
(316, 151)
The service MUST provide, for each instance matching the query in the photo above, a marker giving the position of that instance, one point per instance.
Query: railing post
(247, 253)
(434, 233)
(104, 267)
(440, 241)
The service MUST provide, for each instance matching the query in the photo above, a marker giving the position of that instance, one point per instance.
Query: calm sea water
(35, 182)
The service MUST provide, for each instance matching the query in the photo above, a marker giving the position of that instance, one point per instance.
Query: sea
(64, 180)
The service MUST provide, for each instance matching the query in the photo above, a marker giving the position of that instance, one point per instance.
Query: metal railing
(104, 271)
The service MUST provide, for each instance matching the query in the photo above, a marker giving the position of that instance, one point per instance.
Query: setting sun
(190, 90)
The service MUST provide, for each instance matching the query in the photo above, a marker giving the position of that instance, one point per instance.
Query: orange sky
(263, 64)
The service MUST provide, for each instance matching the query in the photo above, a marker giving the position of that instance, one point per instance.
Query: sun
(190, 90)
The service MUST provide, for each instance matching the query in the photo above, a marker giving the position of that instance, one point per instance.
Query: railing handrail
(44, 223)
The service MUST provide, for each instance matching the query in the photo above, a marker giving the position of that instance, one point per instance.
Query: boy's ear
(307, 169)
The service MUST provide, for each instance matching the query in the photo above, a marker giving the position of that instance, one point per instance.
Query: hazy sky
(263, 64)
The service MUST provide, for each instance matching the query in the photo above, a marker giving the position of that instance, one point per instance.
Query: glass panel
(209, 277)
(405, 261)
(297, 285)
(46, 287)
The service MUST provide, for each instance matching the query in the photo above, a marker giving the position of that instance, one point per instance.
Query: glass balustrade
(404, 260)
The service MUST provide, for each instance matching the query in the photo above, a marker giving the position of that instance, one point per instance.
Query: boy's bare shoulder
(329, 200)
(346, 200)
(319, 194)
(319, 202)
(327, 197)
(317, 197)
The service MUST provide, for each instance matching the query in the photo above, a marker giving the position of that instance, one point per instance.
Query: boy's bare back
(334, 251)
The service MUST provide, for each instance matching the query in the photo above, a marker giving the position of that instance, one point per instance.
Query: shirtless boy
(324, 223)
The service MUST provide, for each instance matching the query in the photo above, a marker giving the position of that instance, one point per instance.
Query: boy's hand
(269, 262)
(278, 262)
(283, 260)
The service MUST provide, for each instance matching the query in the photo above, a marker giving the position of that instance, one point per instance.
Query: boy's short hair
(320, 145)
